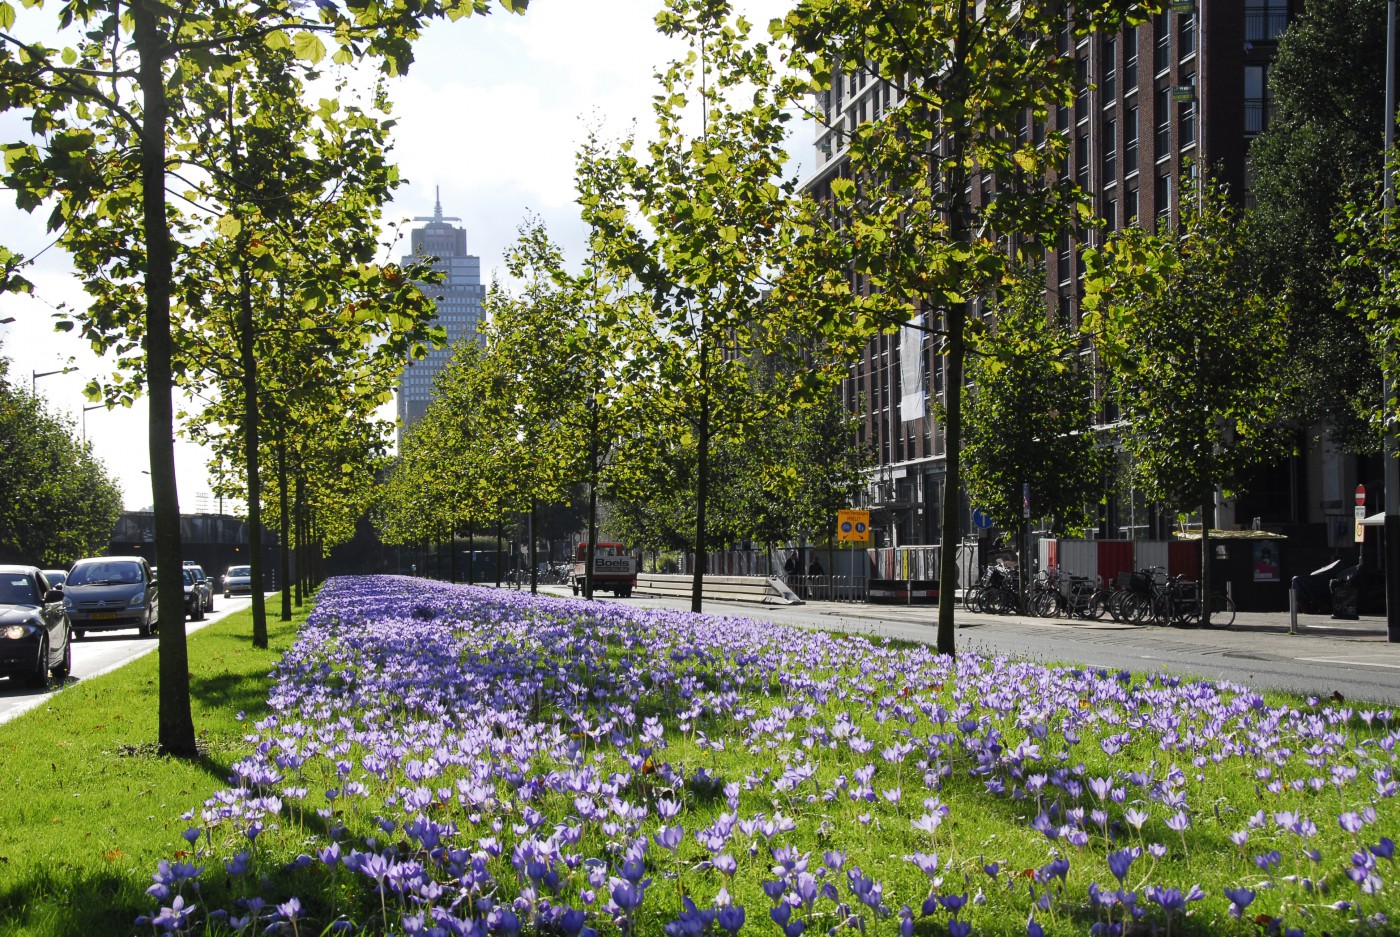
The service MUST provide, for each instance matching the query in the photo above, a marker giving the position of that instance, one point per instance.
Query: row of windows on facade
(1264, 21)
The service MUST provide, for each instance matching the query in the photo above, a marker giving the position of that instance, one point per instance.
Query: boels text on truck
(614, 570)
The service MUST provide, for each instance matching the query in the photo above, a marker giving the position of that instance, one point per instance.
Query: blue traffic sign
(981, 519)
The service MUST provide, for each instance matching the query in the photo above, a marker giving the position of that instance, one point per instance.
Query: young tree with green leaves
(1320, 150)
(698, 222)
(904, 236)
(100, 146)
(1196, 349)
(58, 502)
(1030, 414)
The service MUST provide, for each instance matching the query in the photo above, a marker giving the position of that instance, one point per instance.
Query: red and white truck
(614, 569)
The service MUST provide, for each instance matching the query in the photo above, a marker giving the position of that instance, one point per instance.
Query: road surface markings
(1360, 663)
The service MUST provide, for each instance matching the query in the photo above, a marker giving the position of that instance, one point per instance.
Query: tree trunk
(592, 502)
(284, 534)
(1207, 516)
(702, 488)
(175, 721)
(471, 557)
(500, 561)
(534, 566)
(299, 525)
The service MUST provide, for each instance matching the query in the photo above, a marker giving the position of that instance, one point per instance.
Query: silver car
(238, 579)
(108, 592)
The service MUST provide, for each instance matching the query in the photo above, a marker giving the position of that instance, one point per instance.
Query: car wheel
(228, 595)
(146, 628)
(210, 606)
(65, 666)
(39, 676)
(78, 633)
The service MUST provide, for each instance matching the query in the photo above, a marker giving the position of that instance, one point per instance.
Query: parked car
(194, 595)
(36, 638)
(56, 577)
(238, 579)
(109, 592)
(206, 585)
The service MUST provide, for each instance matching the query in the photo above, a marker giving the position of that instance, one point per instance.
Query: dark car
(35, 636)
(238, 579)
(109, 592)
(206, 584)
(56, 577)
(194, 595)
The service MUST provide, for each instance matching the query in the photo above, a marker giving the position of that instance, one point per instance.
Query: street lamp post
(95, 406)
(35, 375)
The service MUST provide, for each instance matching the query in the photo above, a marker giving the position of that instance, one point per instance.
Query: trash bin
(1346, 593)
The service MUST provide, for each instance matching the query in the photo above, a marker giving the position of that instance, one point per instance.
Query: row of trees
(224, 226)
(58, 503)
(716, 270)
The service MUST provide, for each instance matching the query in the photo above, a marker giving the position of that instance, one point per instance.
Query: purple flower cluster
(455, 761)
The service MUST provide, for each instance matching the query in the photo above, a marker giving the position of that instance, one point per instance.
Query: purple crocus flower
(1120, 861)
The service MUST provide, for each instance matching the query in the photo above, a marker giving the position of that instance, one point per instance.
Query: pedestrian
(791, 566)
(815, 567)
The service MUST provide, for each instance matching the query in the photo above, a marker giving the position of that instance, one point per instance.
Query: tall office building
(458, 298)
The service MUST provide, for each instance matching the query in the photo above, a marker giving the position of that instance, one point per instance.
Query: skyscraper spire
(437, 209)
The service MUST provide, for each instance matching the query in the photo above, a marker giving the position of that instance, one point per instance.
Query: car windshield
(16, 590)
(105, 574)
(239, 570)
(56, 577)
(189, 577)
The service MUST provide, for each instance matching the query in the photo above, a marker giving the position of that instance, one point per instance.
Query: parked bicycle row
(1146, 596)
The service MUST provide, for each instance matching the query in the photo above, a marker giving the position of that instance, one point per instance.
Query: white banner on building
(911, 373)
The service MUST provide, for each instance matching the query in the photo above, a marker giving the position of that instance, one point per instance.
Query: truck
(614, 569)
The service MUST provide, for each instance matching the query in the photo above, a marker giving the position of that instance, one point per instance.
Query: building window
(1162, 59)
(1188, 118)
(1130, 140)
(1264, 20)
(1258, 99)
(1164, 201)
(1063, 252)
(1081, 85)
(1186, 35)
(1163, 107)
(1130, 60)
(1110, 214)
(1081, 161)
(1110, 151)
(1109, 85)
(1130, 207)
(1062, 115)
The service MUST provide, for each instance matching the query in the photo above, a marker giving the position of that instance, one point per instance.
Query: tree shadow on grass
(74, 904)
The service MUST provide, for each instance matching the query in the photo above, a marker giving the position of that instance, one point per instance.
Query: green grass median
(89, 808)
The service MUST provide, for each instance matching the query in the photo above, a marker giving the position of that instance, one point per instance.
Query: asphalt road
(1350, 658)
(98, 653)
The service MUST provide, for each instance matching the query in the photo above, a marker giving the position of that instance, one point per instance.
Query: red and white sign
(1359, 535)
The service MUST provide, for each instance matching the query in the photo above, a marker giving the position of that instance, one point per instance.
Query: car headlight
(137, 601)
(68, 605)
(18, 632)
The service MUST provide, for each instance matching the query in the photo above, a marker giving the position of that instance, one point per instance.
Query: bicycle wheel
(1044, 604)
(1098, 605)
(972, 599)
(1117, 605)
(1161, 610)
(998, 601)
(1136, 608)
(1222, 610)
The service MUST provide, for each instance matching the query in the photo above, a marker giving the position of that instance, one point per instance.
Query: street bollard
(1293, 626)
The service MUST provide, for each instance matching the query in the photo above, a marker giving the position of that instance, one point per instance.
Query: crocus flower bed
(458, 761)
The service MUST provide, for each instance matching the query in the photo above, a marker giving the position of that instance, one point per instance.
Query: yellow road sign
(853, 525)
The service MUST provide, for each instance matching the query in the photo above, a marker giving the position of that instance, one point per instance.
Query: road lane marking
(1360, 663)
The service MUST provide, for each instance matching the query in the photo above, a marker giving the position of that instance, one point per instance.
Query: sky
(490, 113)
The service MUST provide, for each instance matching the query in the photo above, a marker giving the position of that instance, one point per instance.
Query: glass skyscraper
(458, 307)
